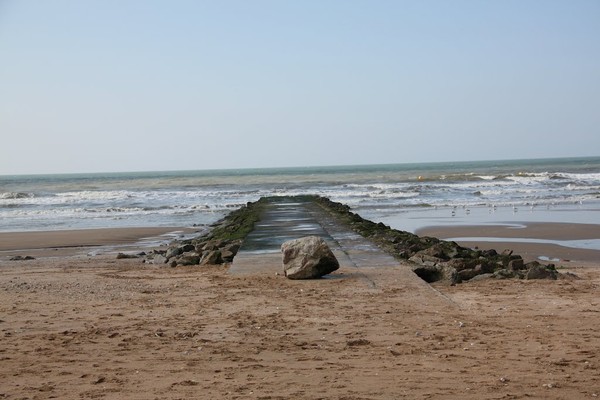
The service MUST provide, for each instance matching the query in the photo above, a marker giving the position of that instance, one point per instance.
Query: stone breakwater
(436, 260)
(432, 259)
(218, 246)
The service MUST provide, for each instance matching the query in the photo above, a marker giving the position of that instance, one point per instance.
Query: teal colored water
(176, 198)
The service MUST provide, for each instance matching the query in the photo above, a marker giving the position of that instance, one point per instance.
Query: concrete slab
(285, 219)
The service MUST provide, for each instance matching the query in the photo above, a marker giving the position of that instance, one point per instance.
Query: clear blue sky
(117, 85)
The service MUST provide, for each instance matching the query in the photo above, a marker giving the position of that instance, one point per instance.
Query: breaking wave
(185, 198)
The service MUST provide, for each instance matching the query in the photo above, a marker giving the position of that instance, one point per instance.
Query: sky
(125, 85)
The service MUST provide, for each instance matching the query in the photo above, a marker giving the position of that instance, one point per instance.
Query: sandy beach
(96, 327)
(156, 157)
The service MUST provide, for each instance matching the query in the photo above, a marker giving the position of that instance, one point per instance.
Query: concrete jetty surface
(287, 218)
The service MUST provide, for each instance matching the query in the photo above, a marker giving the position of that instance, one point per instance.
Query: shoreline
(62, 243)
(546, 241)
(415, 219)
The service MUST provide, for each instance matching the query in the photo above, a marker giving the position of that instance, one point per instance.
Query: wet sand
(549, 232)
(72, 242)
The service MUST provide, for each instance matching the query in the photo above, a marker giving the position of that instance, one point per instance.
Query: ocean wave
(10, 205)
(93, 195)
(191, 198)
(581, 177)
(458, 177)
(16, 195)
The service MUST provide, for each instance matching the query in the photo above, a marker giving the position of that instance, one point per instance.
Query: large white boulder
(307, 258)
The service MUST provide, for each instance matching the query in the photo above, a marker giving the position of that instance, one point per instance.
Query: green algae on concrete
(239, 223)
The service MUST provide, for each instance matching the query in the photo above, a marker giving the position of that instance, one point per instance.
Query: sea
(404, 196)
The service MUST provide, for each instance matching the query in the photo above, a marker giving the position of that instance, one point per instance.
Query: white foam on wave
(146, 198)
(584, 177)
(16, 195)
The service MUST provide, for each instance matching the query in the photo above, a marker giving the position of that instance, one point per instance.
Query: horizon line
(300, 167)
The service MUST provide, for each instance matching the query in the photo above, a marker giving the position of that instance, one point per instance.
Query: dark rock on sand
(21, 258)
(159, 259)
(211, 257)
(173, 251)
(218, 245)
(537, 271)
(503, 274)
(121, 256)
(516, 264)
(436, 273)
(467, 274)
(189, 258)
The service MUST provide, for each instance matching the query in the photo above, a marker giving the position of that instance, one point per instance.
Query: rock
(438, 250)
(503, 274)
(484, 268)
(121, 256)
(463, 263)
(187, 248)
(307, 258)
(538, 271)
(227, 256)
(233, 247)
(425, 259)
(228, 252)
(21, 258)
(173, 252)
(212, 245)
(159, 259)
(466, 274)
(189, 258)
(490, 253)
(516, 264)
(211, 257)
(436, 273)
(481, 277)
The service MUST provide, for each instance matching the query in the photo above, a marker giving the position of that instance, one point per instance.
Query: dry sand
(96, 327)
